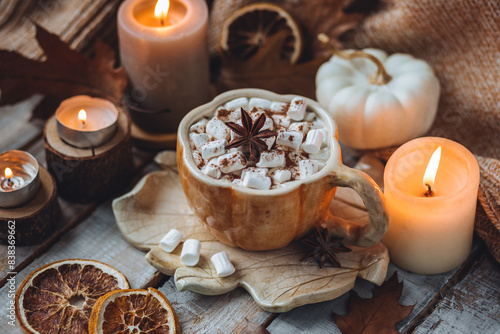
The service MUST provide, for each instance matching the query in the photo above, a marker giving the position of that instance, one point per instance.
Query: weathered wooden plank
(472, 306)
(317, 318)
(213, 314)
(96, 238)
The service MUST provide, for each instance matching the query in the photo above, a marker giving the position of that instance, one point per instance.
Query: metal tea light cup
(74, 132)
(24, 183)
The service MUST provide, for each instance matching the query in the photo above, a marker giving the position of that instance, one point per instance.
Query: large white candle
(166, 55)
(430, 232)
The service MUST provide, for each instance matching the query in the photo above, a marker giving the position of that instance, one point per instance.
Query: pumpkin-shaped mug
(270, 219)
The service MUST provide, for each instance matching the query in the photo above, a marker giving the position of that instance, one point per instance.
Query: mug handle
(373, 198)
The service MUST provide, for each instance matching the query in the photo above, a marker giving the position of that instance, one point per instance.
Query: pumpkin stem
(381, 77)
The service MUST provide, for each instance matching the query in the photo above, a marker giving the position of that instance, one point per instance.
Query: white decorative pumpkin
(378, 101)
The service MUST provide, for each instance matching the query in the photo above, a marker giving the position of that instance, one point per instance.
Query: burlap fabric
(461, 40)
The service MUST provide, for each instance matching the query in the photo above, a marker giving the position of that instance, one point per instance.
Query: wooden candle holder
(34, 221)
(92, 174)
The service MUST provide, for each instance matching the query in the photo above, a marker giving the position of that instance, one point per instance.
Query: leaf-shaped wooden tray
(277, 280)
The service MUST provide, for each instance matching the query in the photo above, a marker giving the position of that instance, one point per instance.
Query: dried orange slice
(248, 28)
(133, 311)
(58, 297)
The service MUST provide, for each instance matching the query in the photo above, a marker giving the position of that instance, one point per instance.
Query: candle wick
(429, 191)
(162, 21)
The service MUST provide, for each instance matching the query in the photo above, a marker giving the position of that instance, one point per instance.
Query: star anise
(249, 135)
(323, 247)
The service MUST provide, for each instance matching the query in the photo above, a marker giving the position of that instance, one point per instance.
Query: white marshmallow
(260, 103)
(230, 162)
(310, 116)
(212, 169)
(190, 254)
(279, 107)
(303, 127)
(325, 137)
(260, 171)
(217, 129)
(237, 182)
(268, 124)
(297, 109)
(227, 115)
(213, 149)
(307, 168)
(281, 120)
(290, 139)
(281, 175)
(170, 241)
(227, 178)
(256, 181)
(269, 141)
(296, 157)
(222, 265)
(197, 158)
(323, 154)
(237, 103)
(199, 127)
(255, 113)
(318, 124)
(313, 142)
(198, 139)
(272, 159)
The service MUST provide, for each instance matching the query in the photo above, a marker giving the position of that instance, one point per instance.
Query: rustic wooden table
(465, 300)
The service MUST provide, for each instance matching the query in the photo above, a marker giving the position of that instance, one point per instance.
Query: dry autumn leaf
(267, 70)
(375, 315)
(63, 73)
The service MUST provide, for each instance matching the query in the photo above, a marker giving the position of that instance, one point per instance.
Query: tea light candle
(19, 179)
(164, 51)
(430, 187)
(84, 121)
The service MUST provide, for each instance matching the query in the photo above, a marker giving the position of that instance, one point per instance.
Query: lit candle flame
(431, 170)
(82, 116)
(8, 173)
(161, 10)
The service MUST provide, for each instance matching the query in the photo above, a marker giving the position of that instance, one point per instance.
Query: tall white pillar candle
(165, 57)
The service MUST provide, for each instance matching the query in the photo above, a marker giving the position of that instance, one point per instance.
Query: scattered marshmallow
(259, 103)
(190, 254)
(256, 181)
(236, 103)
(212, 169)
(318, 124)
(297, 109)
(281, 175)
(198, 139)
(260, 171)
(171, 240)
(213, 149)
(268, 124)
(313, 142)
(237, 182)
(307, 168)
(231, 162)
(222, 264)
(199, 127)
(303, 127)
(272, 159)
(290, 139)
(279, 107)
(281, 120)
(269, 142)
(217, 129)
